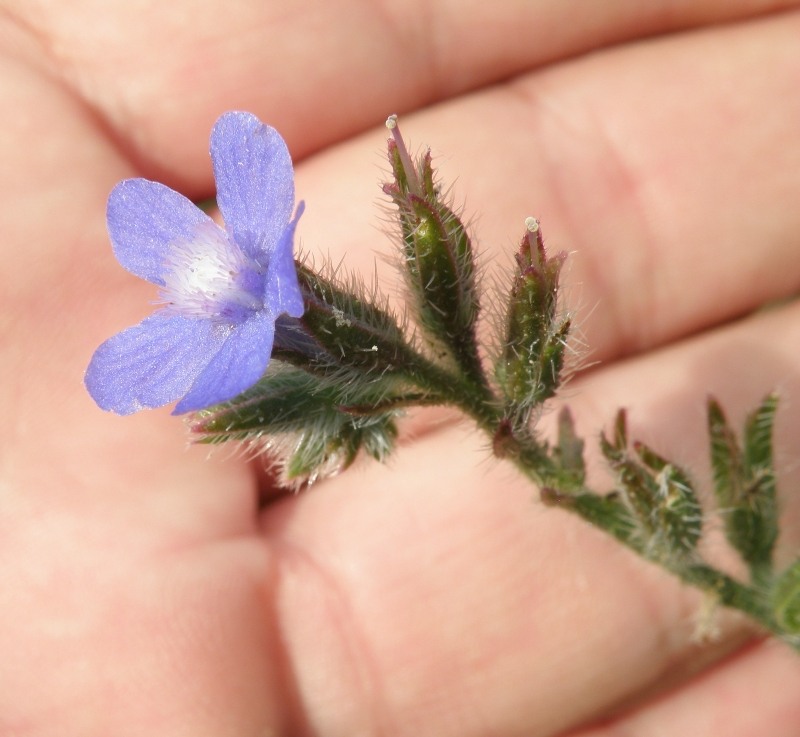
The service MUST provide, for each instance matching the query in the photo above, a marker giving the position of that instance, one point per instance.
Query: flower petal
(255, 181)
(239, 363)
(152, 363)
(144, 218)
(281, 290)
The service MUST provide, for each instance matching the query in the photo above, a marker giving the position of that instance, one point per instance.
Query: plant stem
(532, 459)
(728, 590)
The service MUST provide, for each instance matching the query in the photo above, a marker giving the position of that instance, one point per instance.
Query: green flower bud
(438, 259)
(529, 372)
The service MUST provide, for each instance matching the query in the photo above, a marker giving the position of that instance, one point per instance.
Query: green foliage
(439, 260)
(660, 496)
(608, 512)
(354, 332)
(677, 509)
(568, 453)
(307, 419)
(744, 482)
(785, 599)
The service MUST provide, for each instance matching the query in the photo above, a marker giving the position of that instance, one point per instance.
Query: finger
(95, 632)
(321, 72)
(673, 225)
(752, 693)
(61, 292)
(676, 225)
(437, 595)
(453, 590)
(665, 395)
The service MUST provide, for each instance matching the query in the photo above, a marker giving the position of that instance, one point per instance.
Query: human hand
(143, 592)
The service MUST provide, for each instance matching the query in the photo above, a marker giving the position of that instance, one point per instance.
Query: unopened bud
(535, 342)
(437, 255)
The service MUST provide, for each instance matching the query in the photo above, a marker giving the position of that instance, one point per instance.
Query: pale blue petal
(239, 363)
(255, 181)
(281, 290)
(144, 218)
(151, 364)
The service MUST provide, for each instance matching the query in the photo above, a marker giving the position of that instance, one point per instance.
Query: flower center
(210, 277)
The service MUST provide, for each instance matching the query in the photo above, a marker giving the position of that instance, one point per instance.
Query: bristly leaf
(319, 454)
(354, 332)
(744, 482)
(760, 471)
(680, 516)
(305, 421)
(615, 448)
(438, 258)
(660, 496)
(636, 487)
(726, 457)
(785, 599)
(607, 512)
(568, 453)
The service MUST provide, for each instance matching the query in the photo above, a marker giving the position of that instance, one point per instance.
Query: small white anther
(532, 224)
(391, 122)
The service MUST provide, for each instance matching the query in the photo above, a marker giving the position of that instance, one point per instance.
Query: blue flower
(221, 289)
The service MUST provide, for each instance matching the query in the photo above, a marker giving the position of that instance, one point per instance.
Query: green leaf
(615, 448)
(679, 516)
(726, 457)
(318, 453)
(744, 483)
(442, 273)
(785, 599)
(607, 512)
(667, 515)
(760, 470)
(304, 422)
(635, 485)
(354, 332)
(758, 435)
(568, 453)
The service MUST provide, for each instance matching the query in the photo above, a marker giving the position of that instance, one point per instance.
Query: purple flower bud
(221, 289)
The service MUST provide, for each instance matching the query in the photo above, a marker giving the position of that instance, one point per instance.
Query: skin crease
(144, 592)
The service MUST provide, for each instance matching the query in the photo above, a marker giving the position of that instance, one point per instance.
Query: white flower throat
(210, 277)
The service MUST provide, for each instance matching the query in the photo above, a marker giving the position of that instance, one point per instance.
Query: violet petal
(255, 181)
(144, 217)
(238, 365)
(152, 363)
(281, 289)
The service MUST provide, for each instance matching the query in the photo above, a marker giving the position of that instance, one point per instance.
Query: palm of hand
(142, 592)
